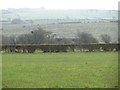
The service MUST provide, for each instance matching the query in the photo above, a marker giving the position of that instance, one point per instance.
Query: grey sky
(60, 4)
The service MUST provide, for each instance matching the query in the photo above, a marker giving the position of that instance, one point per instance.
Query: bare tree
(5, 39)
(24, 39)
(0, 42)
(38, 36)
(106, 38)
(118, 39)
(85, 38)
(12, 40)
(9, 39)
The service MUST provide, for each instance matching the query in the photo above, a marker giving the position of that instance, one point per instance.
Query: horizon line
(42, 8)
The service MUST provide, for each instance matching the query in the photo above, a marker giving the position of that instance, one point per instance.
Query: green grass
(61, 70)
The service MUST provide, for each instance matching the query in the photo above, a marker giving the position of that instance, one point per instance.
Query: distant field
(66, 30)
(61, 70)
(56, 14)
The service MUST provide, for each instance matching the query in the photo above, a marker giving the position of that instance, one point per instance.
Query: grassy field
(58, 70)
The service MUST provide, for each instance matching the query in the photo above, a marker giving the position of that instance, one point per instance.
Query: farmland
(61, 70)
(58, 14)
(58, 70)
(64, 23)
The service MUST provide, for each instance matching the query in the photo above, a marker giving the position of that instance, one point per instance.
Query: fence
(31, 48)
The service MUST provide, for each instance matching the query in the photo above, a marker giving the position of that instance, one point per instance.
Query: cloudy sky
(60, 4)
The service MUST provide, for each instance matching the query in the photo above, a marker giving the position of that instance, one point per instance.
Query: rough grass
(61, 70)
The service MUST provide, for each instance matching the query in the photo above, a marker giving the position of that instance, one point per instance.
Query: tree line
(40, 36)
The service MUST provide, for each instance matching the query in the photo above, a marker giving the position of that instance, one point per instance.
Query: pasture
(60, 70)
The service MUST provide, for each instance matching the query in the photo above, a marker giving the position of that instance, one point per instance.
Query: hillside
(25, 14)
(65, 23)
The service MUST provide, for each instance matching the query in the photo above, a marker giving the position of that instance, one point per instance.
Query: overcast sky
(60, 4)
